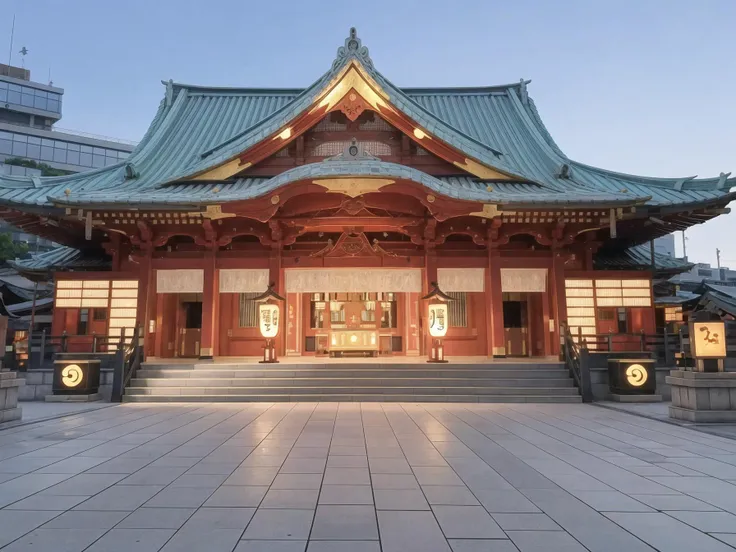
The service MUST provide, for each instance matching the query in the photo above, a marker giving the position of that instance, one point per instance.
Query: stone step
(362, 373)
(377, 365)
(347, 382)
(351, 390)
(384, 397)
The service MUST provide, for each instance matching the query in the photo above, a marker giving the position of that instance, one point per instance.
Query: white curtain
(243, 280)
(461, 279)
(524, 279)
(180, 281)
(325, 280)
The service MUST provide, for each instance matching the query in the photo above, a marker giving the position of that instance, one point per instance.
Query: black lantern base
(437, 352)
(632, 376)
(76, 377)
(269, 353)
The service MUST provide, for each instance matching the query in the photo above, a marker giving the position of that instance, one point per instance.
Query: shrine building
(354, 197)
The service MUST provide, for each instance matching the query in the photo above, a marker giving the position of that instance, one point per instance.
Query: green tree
(10, 250)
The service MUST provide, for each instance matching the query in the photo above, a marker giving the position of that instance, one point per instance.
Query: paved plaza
(364, 477)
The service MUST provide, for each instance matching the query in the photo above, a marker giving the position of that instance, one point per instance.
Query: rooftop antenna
(51, 83)
(23, 52)
(12, 33)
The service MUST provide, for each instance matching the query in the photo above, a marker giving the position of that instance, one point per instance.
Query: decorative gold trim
(353, 77)
(213, 212)
(275, 199)
(481, 171)
(353, 187)
(499, 350)
(491, 210)
(206, 351)
(221, 172)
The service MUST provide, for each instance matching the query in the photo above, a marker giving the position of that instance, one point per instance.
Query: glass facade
(29, 97)
(58, 151)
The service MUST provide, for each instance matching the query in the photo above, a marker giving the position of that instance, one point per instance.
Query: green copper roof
(638, 257)
(197, 128)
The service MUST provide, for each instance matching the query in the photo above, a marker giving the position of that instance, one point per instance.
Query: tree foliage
(46, 170)
(10, 250)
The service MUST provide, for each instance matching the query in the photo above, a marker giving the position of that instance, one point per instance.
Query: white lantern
(438, 319)
(268, 316)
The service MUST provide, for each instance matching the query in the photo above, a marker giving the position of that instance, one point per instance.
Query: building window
(458, 310)
(623, 326)
(83, 322)
(99, 315)
(705, 273)
(248, 310)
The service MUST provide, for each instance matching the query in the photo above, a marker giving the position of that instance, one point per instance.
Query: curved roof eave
(252, 188)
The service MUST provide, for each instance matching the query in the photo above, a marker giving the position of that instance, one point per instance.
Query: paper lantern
(268, 316)
(438, 319)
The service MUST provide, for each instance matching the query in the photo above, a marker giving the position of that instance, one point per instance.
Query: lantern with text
(708, 344)
(437, 321)
(269, 318)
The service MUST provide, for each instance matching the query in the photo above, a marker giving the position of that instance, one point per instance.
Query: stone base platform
(9, 385)
(74, 398)
(636, 398)
(703, 396)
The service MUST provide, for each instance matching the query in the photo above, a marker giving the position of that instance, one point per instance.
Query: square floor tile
(400, 499)
(343, 546)
(14, 524)
(252, 476)
(435, 475)
(156, 518)
(303, 465)
(86, 520)
(467, 522)
(276, 524)
(481, 545)
(394, 481)
(389, 465)
(410, 532)
(120, 497)
(40, 502)
(132, 540)
(236, 496)
(545, 541)
(347, 476)
(337, 461)
(270, 546)
(345, 523)
(210, 540)
(181, 497)
(293, 498)
(526, 522)
(56, 540)
(297, 481)
(451, 495)
(346, 494)
(205, 519)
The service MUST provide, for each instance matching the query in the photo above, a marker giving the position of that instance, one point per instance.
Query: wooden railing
(576, 361)
(38, 349)
(664, 347)
(128, 360)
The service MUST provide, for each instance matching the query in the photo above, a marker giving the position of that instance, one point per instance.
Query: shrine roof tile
(197, 128)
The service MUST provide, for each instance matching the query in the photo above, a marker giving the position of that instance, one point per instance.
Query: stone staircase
(345, 381)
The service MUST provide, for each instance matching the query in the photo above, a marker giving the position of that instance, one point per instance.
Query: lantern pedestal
(269, 353)
(437, 352)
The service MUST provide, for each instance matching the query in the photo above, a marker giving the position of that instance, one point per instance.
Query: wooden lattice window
(248, 310)
(458, 310)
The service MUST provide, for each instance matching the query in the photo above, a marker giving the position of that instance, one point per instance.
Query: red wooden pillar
(145, 289)
(557, 294)
(494, 297)
(276, 277)
(210, 305)
(430, 275)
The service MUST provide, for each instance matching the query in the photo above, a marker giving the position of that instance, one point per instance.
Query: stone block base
(703, 396)
(636, 398)
(9, 385)
(74, 398)
(702, 416)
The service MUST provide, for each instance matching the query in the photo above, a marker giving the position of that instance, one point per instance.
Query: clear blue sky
(640, 86)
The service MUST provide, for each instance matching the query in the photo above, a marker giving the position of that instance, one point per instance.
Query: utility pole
(684, 245)
(718, 258)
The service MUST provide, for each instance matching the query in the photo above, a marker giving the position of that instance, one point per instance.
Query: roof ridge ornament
(353, 48)
(523, 91)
